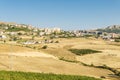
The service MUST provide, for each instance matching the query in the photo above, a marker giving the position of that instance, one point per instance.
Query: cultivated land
(17, 57)
(9, 75)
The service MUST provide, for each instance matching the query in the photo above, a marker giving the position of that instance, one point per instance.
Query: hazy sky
(67, 14)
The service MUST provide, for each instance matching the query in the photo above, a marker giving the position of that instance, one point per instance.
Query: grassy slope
(8, 75)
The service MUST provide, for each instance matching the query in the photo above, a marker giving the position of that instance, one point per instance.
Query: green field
(9, 75)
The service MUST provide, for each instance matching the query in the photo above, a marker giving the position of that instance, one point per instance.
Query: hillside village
(26, 34)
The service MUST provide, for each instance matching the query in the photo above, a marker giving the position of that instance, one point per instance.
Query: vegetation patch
(18, 29)
(44, 47)
(9, 75)
(83, 51)
(117, 40)
(73, 61)
(115, 71)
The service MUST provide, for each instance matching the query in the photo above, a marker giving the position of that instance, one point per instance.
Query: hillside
(14, 27)
(111, 29)
(24, 59)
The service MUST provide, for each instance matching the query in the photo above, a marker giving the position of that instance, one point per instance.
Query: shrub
(117, 40)
(44, 47)
(102, 77)
(57, 42)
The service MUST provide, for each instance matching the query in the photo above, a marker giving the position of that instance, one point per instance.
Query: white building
(3, 37)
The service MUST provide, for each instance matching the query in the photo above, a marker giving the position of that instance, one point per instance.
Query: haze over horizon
(66, 14)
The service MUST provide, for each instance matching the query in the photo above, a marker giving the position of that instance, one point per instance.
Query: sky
(66, 14)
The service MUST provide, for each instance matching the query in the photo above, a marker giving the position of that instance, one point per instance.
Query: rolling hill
(111, 29)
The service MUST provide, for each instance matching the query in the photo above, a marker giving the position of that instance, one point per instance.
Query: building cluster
(103, 35)
(47, 31)
(7, 31)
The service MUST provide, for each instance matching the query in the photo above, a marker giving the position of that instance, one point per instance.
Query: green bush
(44, 47)
(83, 51)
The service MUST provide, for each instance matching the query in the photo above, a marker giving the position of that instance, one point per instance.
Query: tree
(19, 33)
(44, 47)
(4, 41)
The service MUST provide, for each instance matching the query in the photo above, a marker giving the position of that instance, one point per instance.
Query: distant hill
(111, 29)
(14, 27)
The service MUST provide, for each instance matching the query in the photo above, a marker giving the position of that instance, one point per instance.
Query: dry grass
(48, 65)
(110, 57)
(5, 48)
(110, 53)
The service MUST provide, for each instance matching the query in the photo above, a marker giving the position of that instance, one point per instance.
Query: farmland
(18, 57)
(9, 75)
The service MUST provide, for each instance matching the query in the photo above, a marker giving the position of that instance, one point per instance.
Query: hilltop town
(26, 34)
